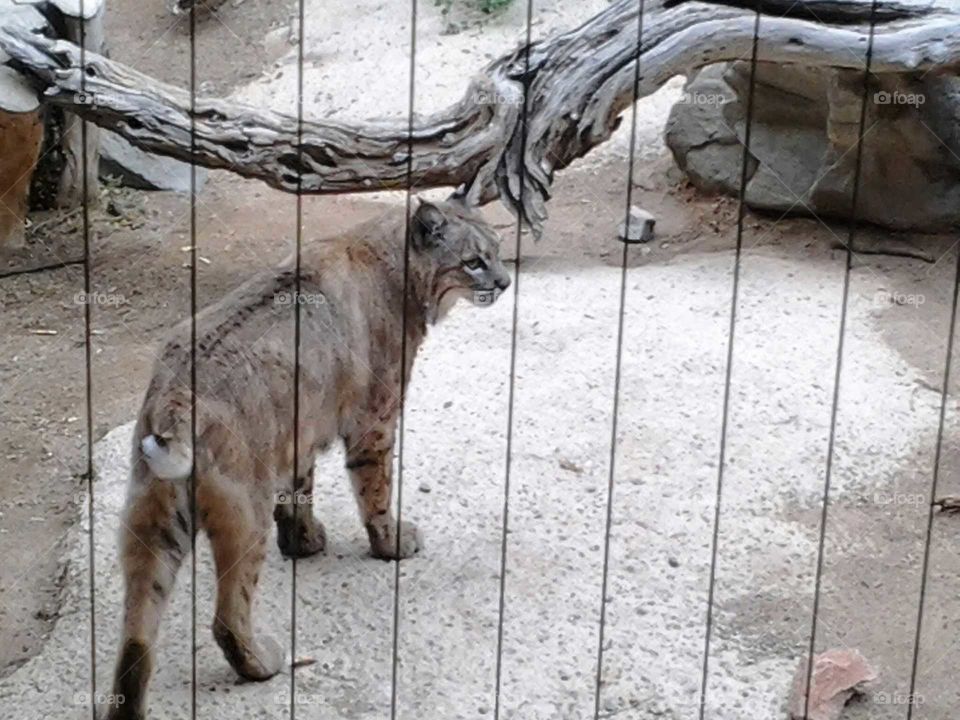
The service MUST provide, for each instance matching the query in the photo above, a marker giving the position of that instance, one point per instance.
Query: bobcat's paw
(383, 541)
(253, 659)
(115, 710)
(301, 539)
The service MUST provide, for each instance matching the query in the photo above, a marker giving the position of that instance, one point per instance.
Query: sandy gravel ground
(667, 456)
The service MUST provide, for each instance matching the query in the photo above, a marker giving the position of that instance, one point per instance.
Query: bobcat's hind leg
(154, 539)
(299, 533)
(238, 534)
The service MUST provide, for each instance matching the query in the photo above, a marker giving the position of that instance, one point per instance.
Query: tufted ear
(429, 223)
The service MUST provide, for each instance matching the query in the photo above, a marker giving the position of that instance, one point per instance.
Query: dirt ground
(140, 281)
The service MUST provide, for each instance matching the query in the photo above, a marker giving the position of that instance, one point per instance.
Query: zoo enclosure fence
(602, 591)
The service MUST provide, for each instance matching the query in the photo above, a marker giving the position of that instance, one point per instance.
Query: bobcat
(351, 296)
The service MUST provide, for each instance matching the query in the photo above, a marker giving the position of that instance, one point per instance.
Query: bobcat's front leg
(370, 463)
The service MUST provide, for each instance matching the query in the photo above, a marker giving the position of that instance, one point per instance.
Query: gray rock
(638, 228)
(702, 135)
(804, 139)
(75, 8)
(16, 95)
(21, 15)
(143, 171)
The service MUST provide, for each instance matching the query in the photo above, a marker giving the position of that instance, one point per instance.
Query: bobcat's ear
(429, 223)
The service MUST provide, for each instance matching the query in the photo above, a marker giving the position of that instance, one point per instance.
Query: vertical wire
(296, 365)
(938, 452)
(828, 475)
(193, 362)
(511, 393)
(731, 338)
(933, 490)
(88, 367)
(395, 661)
(618, 370)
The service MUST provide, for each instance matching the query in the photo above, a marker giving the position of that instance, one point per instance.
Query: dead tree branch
(578, 85)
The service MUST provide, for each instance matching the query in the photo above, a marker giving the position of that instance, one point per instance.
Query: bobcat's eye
(473, 263)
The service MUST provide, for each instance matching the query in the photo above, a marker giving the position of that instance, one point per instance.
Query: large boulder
(16, 95)
(803, 143)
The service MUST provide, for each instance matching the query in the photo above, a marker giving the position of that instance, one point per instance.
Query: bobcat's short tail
(167, 459)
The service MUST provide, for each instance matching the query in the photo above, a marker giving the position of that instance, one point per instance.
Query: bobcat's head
(464, 251)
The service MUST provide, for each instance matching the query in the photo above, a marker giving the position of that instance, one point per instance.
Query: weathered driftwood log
(578, 84)
(21, 128)
(75, 144)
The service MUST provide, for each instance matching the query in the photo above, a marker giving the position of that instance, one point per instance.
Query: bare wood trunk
(578, 84)
(20, 137)
(72, 183)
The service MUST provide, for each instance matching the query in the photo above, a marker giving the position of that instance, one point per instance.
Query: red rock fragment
(837, 676)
